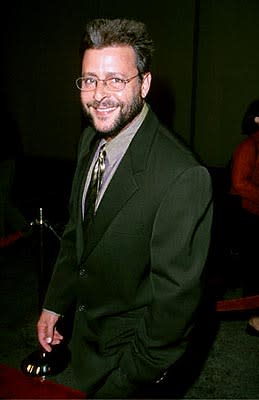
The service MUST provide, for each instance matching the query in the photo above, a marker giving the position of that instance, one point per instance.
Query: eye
(117, 80)
(89, 81)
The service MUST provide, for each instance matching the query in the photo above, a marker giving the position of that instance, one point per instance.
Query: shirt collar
(123, 139)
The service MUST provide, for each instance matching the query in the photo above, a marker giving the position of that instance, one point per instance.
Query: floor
(223, 361)
(224, 364)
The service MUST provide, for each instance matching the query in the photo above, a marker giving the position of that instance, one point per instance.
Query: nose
(100, 91)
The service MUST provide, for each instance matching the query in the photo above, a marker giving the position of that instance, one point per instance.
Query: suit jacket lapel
(120, 189)
(87, 151)
(87, 147)
(123, 184)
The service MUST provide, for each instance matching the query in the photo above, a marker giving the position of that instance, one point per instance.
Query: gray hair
(102, 33)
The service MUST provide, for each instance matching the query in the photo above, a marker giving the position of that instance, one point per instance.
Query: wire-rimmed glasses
(114, 84)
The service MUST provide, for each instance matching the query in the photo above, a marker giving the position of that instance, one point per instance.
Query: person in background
(245, 186)
(134, 266)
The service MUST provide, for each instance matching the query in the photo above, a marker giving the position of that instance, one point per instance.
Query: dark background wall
(205, 69)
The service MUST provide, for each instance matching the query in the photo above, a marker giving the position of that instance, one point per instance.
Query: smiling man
(135, 246)
(112, 68)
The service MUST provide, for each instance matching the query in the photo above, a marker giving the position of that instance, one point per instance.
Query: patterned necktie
(94, 185)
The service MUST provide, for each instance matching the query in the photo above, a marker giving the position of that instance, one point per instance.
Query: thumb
(49, 337)
(52, 320)
(45, 327)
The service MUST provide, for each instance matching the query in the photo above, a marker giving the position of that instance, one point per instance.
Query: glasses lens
(79, 83)
(86, 84)
(115, 84)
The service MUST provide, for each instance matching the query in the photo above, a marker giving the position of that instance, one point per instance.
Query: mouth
(104, 111)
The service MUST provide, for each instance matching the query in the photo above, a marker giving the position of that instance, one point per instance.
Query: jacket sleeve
(179, 248)
(60, 292)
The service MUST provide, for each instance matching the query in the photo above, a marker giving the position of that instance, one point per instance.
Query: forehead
(109, 59)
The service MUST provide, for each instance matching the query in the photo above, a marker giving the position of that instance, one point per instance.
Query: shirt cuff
(52, 312)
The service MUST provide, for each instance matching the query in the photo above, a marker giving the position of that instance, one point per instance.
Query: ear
(256, 120)
(145, 86)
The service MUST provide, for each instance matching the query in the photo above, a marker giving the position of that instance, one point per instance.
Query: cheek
(127, 97)
(84, 97)
(86, 100)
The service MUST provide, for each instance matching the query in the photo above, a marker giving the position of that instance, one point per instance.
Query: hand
(47, 332)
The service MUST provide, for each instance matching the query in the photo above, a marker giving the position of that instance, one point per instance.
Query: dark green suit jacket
(135, 274)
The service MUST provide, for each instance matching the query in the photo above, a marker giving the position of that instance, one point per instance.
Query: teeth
(105, 109)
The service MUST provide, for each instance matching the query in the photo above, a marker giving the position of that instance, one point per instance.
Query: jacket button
(81, 308)
(82, 272)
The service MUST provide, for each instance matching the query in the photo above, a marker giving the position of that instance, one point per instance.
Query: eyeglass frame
(124, 81)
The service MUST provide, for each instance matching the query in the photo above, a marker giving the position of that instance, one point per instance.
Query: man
(134, 268)
(244, 192)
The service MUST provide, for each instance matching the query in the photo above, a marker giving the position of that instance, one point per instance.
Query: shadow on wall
(11, 152)
(162, 101)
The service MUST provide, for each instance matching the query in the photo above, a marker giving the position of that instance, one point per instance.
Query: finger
(57, 335)
(55, 342)
(44, 341)
(45, 335)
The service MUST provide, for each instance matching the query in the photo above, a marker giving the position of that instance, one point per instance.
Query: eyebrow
(108, 74)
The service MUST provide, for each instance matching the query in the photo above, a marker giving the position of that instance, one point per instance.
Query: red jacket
(245, 173)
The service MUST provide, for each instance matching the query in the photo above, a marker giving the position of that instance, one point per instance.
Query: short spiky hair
(102, 33)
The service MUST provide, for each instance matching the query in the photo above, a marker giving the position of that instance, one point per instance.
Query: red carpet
(14, 384)
(240, 304)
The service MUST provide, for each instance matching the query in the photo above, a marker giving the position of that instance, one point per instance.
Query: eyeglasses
(86, 84)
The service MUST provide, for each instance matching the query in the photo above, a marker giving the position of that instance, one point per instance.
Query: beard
(126, 115)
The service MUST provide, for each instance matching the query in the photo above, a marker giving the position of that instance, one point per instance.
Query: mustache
(102, 104)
